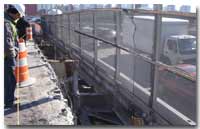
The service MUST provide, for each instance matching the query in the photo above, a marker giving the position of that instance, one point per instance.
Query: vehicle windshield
(187, 46)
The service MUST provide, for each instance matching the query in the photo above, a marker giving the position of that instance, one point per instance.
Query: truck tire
(165, 60)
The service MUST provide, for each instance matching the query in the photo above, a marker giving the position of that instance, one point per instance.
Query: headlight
(180, 62)
(113, 33)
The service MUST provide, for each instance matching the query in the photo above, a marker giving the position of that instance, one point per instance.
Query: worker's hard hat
(20, 8)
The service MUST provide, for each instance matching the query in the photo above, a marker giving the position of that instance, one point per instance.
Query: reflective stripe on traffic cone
(29, 33)
(21, 70)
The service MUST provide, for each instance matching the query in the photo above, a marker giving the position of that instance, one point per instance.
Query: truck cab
(180, 49)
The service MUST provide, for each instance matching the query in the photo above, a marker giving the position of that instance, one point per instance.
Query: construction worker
(13, 13)
(21, 25)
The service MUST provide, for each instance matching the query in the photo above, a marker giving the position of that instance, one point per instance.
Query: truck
(176, 45)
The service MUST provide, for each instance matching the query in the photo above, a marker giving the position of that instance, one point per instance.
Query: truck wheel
(166, 60)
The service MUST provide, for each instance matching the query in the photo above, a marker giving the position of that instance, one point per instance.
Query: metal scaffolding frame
(97, 71)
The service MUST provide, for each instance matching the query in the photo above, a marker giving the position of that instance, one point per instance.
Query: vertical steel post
(55, 27)
(79, 36)
(94, 41)
(198, 52)
(56, 30)
(95, 59)
(117, 21)
(155, 56)
(55, 55)
(69, 34)
(75, 87)
(55, 35)
(63, 29)
(117, 41)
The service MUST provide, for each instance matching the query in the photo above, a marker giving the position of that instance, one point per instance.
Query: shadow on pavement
(27, 105)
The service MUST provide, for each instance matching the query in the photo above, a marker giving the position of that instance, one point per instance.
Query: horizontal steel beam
(138, 11)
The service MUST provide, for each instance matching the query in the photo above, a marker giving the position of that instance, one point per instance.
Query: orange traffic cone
(29, 33)
(21, 70)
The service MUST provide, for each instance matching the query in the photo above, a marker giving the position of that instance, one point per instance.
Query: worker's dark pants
(9, 81)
